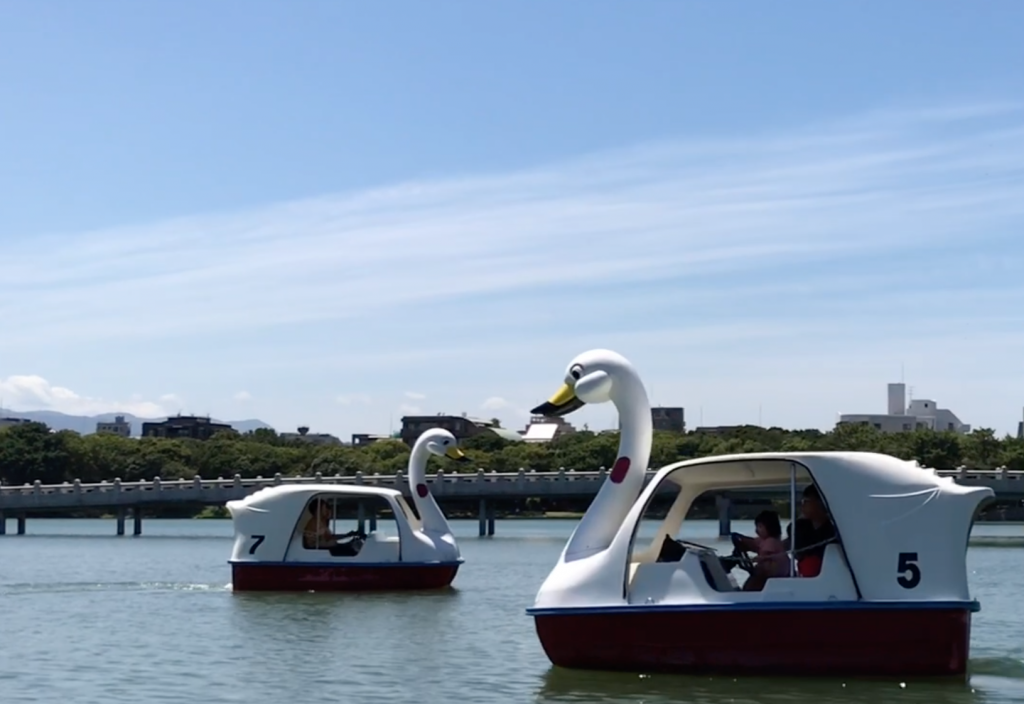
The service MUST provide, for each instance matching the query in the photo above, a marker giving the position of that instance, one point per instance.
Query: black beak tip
(545, 409)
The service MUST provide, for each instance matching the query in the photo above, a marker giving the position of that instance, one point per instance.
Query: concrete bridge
(484, 487)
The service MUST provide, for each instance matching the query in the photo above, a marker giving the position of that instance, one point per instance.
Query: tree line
(30, 452)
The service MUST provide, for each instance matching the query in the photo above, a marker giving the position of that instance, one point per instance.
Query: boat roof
(748, 468)
(304, 491)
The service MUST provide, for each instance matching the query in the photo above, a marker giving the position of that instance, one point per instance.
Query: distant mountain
(84, 425)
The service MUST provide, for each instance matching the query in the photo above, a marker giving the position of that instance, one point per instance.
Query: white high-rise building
(900, 418)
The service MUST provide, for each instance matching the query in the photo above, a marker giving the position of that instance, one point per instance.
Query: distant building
(460, 426)
(118, 427)
(669, 418)
(195, 427)
(9, 422)
(921, 414)
(315, 439)
(544, 429)
(364, 439)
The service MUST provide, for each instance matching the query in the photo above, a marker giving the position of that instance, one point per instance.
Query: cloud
(414, 396)
(34, 393)
(880, 184)
(353, 399)
(243, 396)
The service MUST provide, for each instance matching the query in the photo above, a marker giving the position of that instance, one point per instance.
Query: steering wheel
(739, 557)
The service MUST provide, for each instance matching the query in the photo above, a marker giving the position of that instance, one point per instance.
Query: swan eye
(576, 372)
(446, 442)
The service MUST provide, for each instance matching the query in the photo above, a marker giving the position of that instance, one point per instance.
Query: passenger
(317, 533)
(772, 560)
(813, 532)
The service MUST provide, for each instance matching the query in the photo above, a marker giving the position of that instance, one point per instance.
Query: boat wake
(33, 588)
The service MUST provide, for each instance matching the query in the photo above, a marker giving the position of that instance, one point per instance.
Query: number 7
(259, 539)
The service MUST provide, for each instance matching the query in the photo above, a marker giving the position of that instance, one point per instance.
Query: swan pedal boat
(891, 597)
(269, 553)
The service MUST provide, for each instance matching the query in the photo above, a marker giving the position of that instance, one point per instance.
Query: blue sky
(333, 214)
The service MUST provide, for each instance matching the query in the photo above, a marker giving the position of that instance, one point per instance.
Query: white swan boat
(284, 540)
(888, 594)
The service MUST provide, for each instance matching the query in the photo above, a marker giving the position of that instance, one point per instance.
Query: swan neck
(635, 425)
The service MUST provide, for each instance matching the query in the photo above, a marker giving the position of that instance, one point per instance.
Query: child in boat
(771, 558)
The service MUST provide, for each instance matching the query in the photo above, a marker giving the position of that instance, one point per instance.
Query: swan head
(442, 443)
(592, 377)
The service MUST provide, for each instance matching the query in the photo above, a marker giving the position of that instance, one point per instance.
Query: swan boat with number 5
(284, 540)
(888, 595)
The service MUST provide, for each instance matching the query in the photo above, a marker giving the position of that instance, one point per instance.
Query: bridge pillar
(3, 523)
(483, 517)
(724, 505)
(137, 520)
(21, 524)
(361, 517)
(490, 519)
(373, 520)
(120, 521)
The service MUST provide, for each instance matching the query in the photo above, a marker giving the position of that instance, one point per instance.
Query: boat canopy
(271, 515)
(904, 529)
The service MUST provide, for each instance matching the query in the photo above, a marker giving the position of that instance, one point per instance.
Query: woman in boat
(814, 531)
(317, 533)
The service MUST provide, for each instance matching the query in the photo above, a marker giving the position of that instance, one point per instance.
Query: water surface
(90, 617)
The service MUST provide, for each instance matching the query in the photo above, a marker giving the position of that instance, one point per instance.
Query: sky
(335, 214)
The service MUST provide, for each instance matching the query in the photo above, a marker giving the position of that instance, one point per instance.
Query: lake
(90, 617)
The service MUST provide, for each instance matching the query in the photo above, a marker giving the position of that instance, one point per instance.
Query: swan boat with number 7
(888, 595)
(284, 540)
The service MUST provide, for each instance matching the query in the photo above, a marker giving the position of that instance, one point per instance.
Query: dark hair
(811, 492)
(770, 521)
(317, 506)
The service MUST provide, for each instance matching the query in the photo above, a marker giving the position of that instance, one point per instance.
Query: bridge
(484, 487)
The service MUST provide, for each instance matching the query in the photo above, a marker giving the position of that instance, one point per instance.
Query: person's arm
(744, 542)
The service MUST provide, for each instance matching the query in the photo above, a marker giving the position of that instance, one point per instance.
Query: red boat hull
(278, 577)
(860, 641)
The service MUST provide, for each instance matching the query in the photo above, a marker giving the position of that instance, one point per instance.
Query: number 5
(259, 539)
(909, 573)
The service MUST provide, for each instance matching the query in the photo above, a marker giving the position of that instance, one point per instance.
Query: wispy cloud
(243, 396)
(895, 181)
(888, 236)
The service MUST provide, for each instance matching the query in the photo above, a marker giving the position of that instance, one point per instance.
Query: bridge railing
(397, 479)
